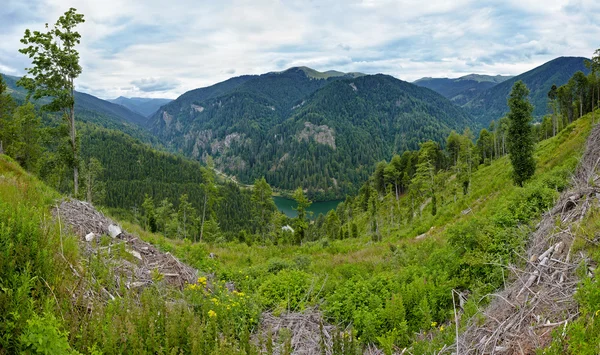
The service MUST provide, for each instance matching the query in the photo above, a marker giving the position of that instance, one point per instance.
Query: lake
(287, 206)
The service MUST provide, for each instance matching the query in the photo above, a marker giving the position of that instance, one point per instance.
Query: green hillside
(491, 104)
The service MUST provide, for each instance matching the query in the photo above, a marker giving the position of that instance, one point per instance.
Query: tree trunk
(203, 214)
(74, 142)
(89, 186)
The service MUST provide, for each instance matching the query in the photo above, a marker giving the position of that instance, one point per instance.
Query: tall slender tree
(301, 223)
(55, 67)
(552, 96)
(265, 206)
(520, 139)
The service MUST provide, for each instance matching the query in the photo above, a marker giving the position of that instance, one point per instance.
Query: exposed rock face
(353, 87)
(321, 134)
(199, 139)
(167, 118)
(219, 146)
(197, 108)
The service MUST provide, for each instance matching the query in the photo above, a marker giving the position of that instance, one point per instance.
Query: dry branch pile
(521, 318)
(143, 264)
(305, 331)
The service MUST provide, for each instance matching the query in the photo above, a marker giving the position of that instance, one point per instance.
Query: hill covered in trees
(461, 90)
(296, 128)
(491, 105)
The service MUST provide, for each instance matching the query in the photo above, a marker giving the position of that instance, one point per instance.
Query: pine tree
(520, 139)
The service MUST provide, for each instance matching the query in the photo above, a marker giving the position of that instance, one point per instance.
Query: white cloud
(188, 44)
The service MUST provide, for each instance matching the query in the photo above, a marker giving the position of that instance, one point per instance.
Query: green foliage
(22, 137)
(286, 290)
(520, 139)
(42, 336)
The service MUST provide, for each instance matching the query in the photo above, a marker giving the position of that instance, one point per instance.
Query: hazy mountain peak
(315, 74)
(486, 78)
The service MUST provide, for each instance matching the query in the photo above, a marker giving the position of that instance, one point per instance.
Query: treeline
(580, 95)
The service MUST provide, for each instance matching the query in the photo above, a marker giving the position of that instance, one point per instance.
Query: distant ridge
(144, 106)
(461, 90)
(315, 74)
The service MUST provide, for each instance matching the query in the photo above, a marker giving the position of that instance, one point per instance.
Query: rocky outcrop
(321, 134)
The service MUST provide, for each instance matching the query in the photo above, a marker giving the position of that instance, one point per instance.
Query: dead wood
(540, 297)
(143, 264)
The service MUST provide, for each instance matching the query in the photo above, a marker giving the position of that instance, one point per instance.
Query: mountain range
(323, 131)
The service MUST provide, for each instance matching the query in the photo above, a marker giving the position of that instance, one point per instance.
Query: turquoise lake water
(287, 206)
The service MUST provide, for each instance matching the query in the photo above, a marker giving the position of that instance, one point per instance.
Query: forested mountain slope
(461, 90)
(295, 129)
(491, 104)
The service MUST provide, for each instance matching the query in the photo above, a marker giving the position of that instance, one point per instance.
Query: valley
(290, 202)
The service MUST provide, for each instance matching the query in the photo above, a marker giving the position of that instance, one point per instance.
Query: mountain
(461, 90)
(297, 129)
(91, 109)
(143, 106)
(491, 103)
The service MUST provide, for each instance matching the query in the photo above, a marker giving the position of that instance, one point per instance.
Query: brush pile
(132, 262)
(521, 318)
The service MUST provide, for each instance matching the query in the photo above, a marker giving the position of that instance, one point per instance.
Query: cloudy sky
(158, 48)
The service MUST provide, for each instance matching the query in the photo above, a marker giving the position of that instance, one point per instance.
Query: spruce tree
(520, 139)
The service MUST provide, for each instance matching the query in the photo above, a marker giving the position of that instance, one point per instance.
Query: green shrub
(286, 290)
(42, 336)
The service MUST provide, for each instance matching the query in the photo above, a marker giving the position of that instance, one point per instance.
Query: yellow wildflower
(212, 313)
(433, 324)
(598, 313)
(202, 280)
(442, 328)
